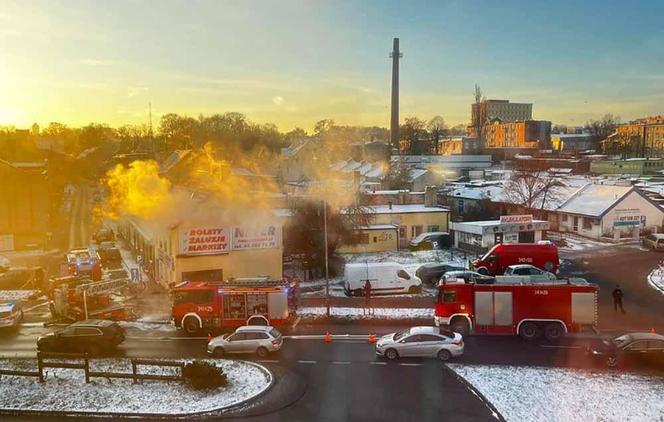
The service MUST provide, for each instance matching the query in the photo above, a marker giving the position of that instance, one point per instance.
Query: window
(86, 331)
(364, 238)
(403, 274)
(235, 306)
(433, 228)
(255, 336)
(415, 231)
(238, 337)
(449, 297)
(257, 303)
(413, 339)
(194, 296)
(638, 345)
(429, 337)
(565, 218)
(587, 224)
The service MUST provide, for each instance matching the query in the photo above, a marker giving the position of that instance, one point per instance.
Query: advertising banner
(204, 241)
(264, 237)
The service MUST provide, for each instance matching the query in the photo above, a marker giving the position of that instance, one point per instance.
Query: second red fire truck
(210, 306)
(529, 310)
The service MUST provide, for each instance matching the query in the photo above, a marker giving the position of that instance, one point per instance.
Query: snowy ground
(359, 313)
(580, 244)
(656, 279)
(558, 394)
(65, 390)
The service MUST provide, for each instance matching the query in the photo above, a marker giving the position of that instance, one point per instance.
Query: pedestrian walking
(296, 293)
(367, 298)
(618, 299)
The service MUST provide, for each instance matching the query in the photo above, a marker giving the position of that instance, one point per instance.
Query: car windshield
(622, 340)
(401, 334)
(419, 237)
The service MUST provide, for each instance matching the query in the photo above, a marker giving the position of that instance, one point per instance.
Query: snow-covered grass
(360, 313)
(65, 390)
(14, 295)
(656, 279)
(580, 244)
(559, 394)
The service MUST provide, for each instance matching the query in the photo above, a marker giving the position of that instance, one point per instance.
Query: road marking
(410, 364)
(268, 361)
(378, 363)
(341, 363)
(553, 346)
(139, 338)
(306, 361)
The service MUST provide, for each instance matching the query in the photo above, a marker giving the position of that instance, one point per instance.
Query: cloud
(133, 91)
(278, 100)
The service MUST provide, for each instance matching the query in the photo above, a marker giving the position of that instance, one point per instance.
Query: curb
(477, 392)
(652, 283)
(152, 416)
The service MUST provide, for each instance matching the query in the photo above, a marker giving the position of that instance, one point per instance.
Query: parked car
(89, 336)
(384, 277)
(421, 342)
(431, 240)
(257, 339)
(654, 241)
(103, 235)
(467, 276)
(630, 350)
(111, 259)
(11, 314)
(534, 273)
(542, 255)
(431, 273)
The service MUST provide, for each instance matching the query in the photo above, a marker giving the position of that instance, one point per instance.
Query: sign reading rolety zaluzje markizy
(205, 240)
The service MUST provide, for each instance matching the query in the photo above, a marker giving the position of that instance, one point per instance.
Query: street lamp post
(327, 278)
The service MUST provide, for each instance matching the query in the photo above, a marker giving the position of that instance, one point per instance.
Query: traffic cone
(372, 338)
(652, 330)
(209, 337)
(328, 337)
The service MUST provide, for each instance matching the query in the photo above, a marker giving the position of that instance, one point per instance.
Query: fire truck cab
(229, 304)
(527, 309)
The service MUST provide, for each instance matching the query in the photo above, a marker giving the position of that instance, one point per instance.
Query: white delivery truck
(385, 278)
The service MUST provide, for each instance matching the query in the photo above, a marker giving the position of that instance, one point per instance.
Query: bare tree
(479, 118)
(437, 129)
(532, 189)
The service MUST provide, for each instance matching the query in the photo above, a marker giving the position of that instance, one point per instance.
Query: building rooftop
(594, 200)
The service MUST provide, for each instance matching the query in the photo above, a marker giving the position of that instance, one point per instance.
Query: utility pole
(327, 278)
(150, 127)
(395, 55)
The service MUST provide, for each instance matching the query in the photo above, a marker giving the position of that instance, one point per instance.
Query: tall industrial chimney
(394, 120)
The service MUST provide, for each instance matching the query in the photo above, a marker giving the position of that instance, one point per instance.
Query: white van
(385, 277)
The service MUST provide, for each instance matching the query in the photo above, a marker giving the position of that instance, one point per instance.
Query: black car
(430, 273)
(469, 277)
(630, 350)
(111, 258)
(430, 241)
(90, 336)
(103, 235)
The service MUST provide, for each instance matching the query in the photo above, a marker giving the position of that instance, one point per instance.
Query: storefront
(479, 236)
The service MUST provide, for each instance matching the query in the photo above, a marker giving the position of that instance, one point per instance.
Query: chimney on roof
(389, 204)
(430, 199)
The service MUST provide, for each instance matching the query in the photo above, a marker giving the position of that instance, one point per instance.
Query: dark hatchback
(632, 350)
(90, 336)
(431, 273)
(111, 258)
(430, 241)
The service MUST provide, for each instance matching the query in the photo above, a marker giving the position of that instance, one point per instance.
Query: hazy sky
(296, 62)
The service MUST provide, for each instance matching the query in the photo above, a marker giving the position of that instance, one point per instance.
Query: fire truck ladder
(250, 282)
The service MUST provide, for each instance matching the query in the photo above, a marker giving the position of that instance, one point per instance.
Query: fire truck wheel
(553, 332)
(218, 352)
(612, 361)
(191, 325)
(460, 325)
(483, 271)
(391, 354)
(262, 352)
(530, 331)
(444, 355)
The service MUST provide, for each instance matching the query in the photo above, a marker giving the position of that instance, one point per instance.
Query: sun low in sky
(296, 62)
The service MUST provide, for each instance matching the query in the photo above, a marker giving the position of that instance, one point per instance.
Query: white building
(597, 211)
(479, 236)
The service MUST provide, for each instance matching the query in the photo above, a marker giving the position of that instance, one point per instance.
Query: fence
(44, 360)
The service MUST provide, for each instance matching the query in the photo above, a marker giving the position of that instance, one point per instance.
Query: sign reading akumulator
(220, 240)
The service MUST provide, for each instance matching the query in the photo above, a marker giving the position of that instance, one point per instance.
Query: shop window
(235, 306)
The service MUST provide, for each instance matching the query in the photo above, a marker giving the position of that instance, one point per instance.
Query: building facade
(502, 110)
(642, 137)
(529, 134)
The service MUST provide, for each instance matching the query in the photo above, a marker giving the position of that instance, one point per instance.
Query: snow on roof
(404, 209)
(415, 173)
(379, 227)
(594, 200)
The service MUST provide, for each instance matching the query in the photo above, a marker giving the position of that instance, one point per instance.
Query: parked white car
(430, 342)
(258, 339)
(11, 314)
(530, 271)
(384, 277)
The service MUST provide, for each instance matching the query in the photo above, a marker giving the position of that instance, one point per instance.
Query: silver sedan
(421, 342)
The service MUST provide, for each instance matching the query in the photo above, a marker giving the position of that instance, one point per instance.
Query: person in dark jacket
(367, 297)
(618, 299)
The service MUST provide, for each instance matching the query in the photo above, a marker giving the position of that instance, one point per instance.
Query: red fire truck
(229, 304)
(525, 309)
